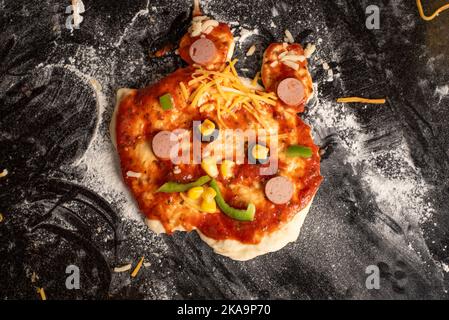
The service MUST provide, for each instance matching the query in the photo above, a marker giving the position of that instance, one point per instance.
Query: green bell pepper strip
(299, 151)
(237, 214)
(171, 187)
(166, 101)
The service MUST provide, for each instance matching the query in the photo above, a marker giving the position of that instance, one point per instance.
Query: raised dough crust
(236, 250)
(233, 249)
(121, 94)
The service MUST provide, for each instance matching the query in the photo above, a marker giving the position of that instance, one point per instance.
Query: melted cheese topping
(253, 194)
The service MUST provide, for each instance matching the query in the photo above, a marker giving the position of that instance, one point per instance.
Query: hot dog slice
(202, 51)
(291, 91)
(284, 61)
(165, 144)
(279, 190)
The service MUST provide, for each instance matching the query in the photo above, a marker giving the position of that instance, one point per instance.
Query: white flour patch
(399, 189)
(142, 12)
(397, 186)
(246, 34)
(401, 11)
(103, 170)
(103, 175)
(442, 91)
(445, 267)
(100, 162)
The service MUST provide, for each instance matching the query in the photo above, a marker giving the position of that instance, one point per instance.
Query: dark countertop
(383, 201)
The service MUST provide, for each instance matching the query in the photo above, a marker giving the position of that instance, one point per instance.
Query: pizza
(207, 150)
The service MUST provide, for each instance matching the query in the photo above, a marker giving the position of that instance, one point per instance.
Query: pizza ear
(285, 72)
(196, 8)
(208, 43)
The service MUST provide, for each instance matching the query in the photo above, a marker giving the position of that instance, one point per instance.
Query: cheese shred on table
(432, 16)
(124, 268)
(4, 173)
(361, 100)
(42, 293)
(136, 270)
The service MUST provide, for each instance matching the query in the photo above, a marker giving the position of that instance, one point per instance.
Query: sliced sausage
(202, 51)
(164, 144)
(279, 190)
(291, 91)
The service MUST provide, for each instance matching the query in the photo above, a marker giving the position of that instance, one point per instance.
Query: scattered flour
(100, 161)
(400, 192)
(142, 12)
(246, 34)
(442, 91)
(445, 267)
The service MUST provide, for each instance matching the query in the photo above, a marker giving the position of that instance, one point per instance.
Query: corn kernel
(208, 206)
(195, 193)
(207, 127)
(226, 168)
(209, 194)
(210, 166)
(260, 152)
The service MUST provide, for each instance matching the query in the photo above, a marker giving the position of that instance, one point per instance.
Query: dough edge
(234, 249)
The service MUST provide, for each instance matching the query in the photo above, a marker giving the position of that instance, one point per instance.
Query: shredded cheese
(34, 277)
(291, 64)
(136, 270)
(251, 50)
(361, 100)
(185, 93)
(432, 16)
(250, 110)
(288, 37)
(133, 174)
(124, 268)
(4, 173)
(274, 64)
(42, 293)
(309, 50)
(256, 79)
(232, 66)
(228, 92)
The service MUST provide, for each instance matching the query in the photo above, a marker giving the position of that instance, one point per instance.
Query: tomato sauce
(140, 117)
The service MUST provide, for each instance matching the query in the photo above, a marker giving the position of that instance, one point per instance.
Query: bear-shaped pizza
(204, 149)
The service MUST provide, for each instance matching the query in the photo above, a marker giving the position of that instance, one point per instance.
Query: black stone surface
(49, 117)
